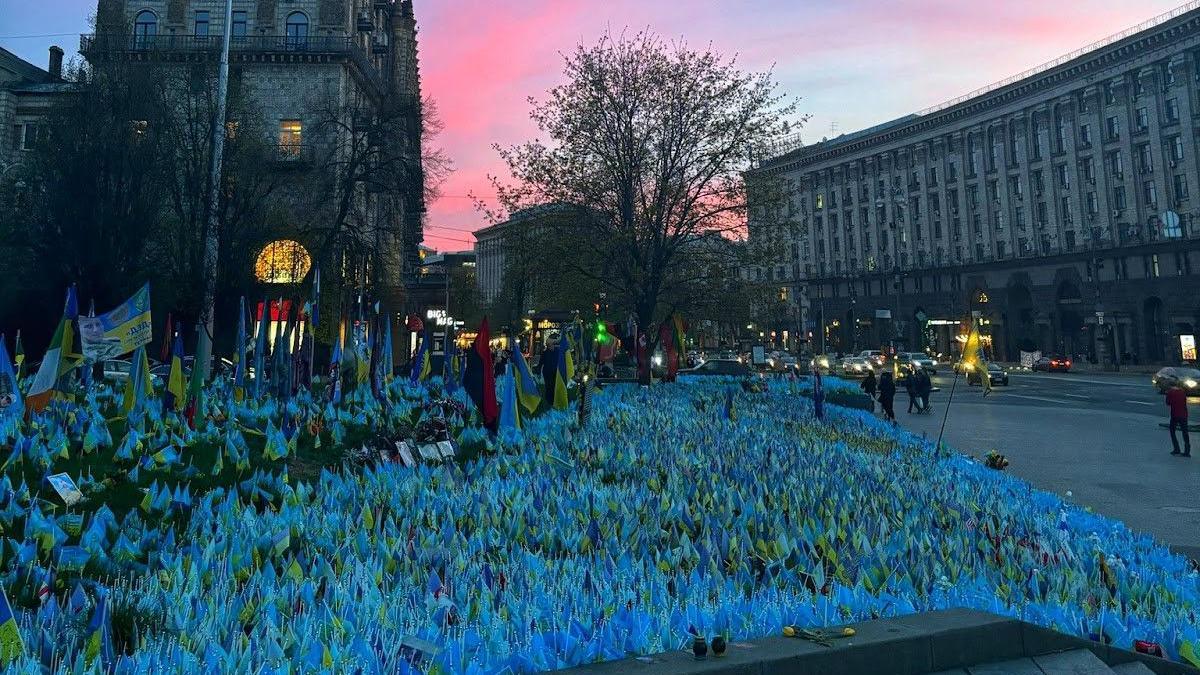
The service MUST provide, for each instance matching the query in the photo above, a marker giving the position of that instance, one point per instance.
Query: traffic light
(602, 336)
(596, 308)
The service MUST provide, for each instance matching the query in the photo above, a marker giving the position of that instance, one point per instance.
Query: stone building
(321, 75)
(26, 93)
(1060, 206)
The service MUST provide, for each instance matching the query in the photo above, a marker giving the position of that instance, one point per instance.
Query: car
(1051, 364)
(823, 363)
(995, 373)
(876, 356)
(117, 370)
(782, 362)
(920, 360)
(857, 366)
(718, 367)
(1187, 378)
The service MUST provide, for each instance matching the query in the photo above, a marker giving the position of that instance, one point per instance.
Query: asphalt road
(1093, 391)
(1096, 436)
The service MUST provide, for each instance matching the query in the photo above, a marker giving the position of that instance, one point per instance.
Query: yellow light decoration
(282, 262)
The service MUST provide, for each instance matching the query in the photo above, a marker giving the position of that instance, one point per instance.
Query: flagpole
(211, 243)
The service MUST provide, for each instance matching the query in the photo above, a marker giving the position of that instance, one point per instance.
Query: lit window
(138, 128)
(290, 136)
(282, 262)
(231, 129)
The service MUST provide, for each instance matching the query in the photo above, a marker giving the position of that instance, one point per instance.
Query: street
(1095, 435)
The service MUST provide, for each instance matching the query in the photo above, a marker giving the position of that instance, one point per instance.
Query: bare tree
(650, 141)
(436, 163)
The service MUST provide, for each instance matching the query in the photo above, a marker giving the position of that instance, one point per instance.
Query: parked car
(1051, 364)
(718, 367)
(995, 373)
(782, 362)
(117, 370)
(857, 366)
(1185, 377)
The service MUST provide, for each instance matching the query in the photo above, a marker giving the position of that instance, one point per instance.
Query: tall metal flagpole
(211, 242)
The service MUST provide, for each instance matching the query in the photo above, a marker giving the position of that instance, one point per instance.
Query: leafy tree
(649, 140)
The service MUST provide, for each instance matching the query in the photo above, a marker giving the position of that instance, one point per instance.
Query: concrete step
(1074, 662)
(1134, 668)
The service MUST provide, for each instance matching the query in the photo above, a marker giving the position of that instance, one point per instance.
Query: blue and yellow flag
(422, 365)
(11, 645)
(140, 385)
(974, 359)
(561, 376)
(175, 396)
(527, 388)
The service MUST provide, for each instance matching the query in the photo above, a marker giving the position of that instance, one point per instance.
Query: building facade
(326, 78)
(26, 94)
(1062, 208)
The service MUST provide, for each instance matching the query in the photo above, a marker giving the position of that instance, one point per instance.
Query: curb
(918, 644)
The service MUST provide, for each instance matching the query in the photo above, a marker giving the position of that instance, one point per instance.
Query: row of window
(145, 25)
(25, 136)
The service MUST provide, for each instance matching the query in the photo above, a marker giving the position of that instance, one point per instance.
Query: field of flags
(253, 525)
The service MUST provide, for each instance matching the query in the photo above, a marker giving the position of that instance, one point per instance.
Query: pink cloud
(858, 62)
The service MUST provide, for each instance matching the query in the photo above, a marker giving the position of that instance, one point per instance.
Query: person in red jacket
(1177, 403)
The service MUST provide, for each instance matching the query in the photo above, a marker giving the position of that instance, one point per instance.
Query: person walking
(868, 387)
(910, 388)
(1177, 404)
(924, 388)
(887, 396)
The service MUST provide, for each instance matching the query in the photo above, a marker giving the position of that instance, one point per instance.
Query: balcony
(245, 48)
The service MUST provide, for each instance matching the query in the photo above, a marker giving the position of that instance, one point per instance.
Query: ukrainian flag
(11, 645)
(422, 364)
(561, 376)
(175, 394)
(527, 388)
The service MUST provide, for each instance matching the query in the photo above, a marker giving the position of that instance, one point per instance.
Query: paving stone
(1076, 662)
(1023, 666)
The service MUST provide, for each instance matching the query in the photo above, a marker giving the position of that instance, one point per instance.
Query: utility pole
(211, 242)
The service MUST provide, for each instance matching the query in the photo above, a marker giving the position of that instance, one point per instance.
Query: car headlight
(933, 362)
(1190, 384)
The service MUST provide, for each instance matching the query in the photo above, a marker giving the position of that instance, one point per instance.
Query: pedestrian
(924, 388)
(910, 388)
(887, 396)
(868, 387)
(1177, 404)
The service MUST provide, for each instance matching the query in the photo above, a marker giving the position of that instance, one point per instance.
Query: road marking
(1139, 402)
(1076, 396)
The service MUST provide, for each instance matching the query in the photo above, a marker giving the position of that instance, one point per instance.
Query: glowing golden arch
(283, 261)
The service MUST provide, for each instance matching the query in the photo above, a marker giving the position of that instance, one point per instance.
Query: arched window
(297, 30)
(145, 28)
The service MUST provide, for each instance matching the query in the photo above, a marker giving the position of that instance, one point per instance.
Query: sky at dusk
(852, 63)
